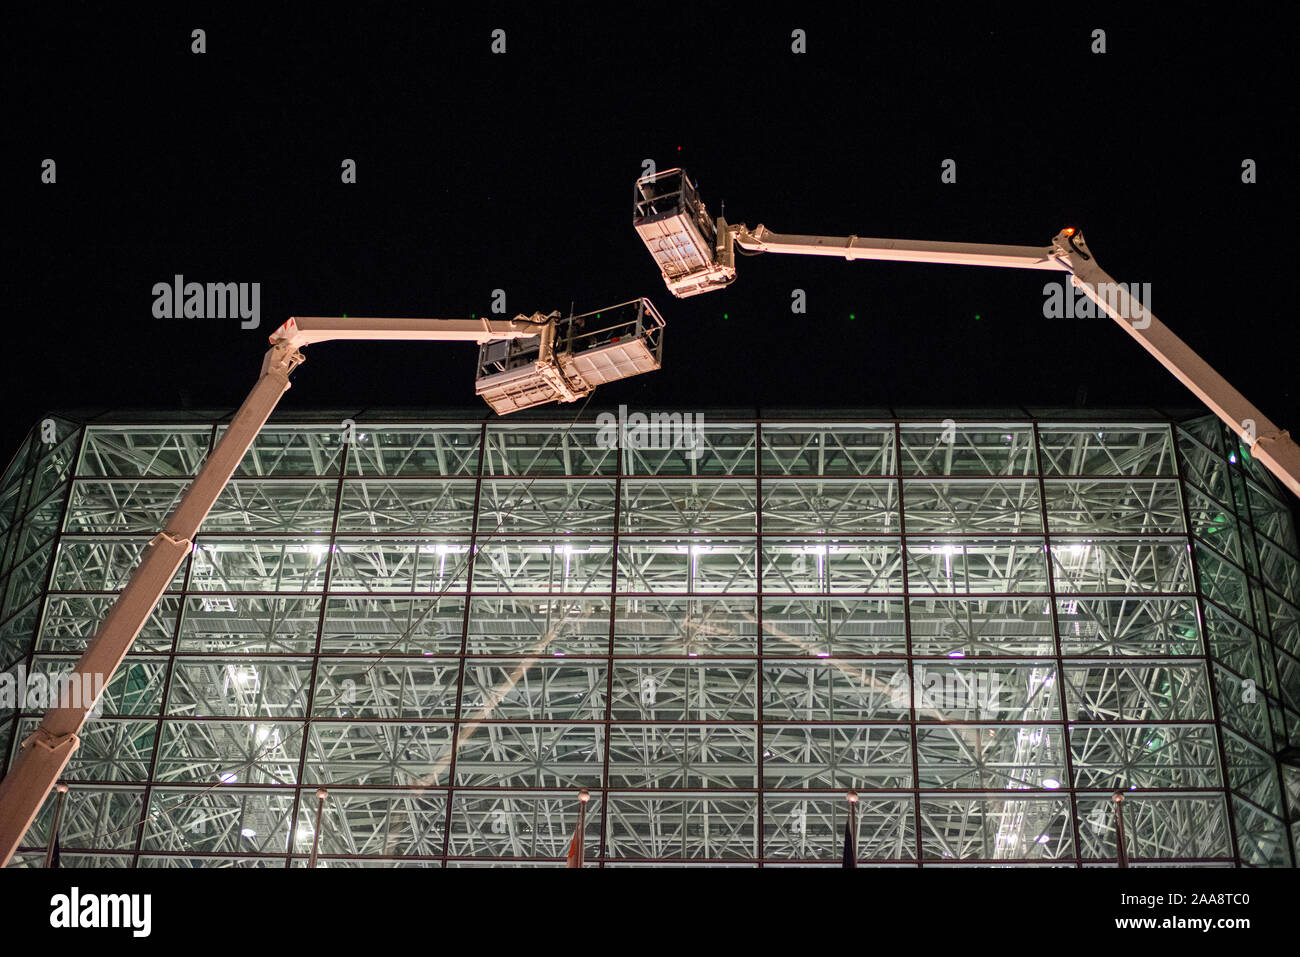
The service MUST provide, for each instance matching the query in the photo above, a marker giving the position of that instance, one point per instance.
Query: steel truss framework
(984, 627)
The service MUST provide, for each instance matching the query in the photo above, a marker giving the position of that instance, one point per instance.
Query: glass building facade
(985, 625)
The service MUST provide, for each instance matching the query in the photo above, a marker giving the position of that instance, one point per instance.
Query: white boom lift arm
(46, 752)
(697, 254)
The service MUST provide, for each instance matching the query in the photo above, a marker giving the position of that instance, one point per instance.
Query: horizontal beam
(305, 330)
(900, 250)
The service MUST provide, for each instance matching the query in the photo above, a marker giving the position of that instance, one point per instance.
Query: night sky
(478, 171)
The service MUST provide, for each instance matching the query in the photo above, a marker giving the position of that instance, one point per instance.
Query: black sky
(479, 171)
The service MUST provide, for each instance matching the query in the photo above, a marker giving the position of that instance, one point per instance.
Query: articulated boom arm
(45, 753)
(696, 254)
(1068, 253)
(1271, 445)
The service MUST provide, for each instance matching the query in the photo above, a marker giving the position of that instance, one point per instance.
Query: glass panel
(665, 448)
(245, 624)
(258, 565)
(378, 753)
(120, 451)
(141, 506)
(264, 506)
(840, 627)
(225, 820)
(406, 507)
(803, 828)
(1106, 450)
(528, 626)
(532, 689)
(686, 565)
(529, 450)
(376, 823)
(976, 565)
(519, 824)
(1121, 565)
(970, 627)
(1120, 757)
(70, 621)
(1128, 626)
(428, 450)
(972, 507)
(837, 756)
(682, 828)
(995, 828)
(1137, 691)
(518, 565)
(835, 691)
(397, 565)
(1156, 826)
(292, 451)
(833, 566)
(992, 757)
(688, 507)
(97, 565)
(215, 687)
(952, 449)
(232, 752)
(530, 755)
(398, 626)
(828, 449)
(549, 507)
(1129, 507)
(685, 627)
(684, 691)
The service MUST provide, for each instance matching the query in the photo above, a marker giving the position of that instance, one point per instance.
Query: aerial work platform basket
(671, 220)
(571, 357)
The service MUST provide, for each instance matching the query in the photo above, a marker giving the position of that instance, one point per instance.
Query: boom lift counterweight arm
(696, 254)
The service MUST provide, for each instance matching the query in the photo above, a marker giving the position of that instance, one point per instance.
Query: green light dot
(724, 315)
(977, 315)
(597, 315)
(853, 315)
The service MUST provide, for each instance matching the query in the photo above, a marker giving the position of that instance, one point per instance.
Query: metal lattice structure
(983, 626)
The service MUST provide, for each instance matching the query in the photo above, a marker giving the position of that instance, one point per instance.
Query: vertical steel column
(464, 636)
(310, 702)
(1206, 659)
(758, 650)
(907, 638)
(613, 623)
(1049, 561)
